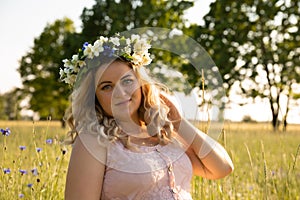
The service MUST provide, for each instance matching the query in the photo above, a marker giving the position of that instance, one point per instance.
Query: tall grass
(266, 164)
(34, 163)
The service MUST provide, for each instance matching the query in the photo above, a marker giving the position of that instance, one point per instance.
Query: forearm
(210, 154)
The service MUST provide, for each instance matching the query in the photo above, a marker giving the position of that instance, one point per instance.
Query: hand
(173, 115)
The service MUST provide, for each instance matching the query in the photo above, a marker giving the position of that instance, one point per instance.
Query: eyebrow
(109, 82)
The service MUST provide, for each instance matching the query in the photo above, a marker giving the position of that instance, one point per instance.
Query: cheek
(137, 96)
(105, 102)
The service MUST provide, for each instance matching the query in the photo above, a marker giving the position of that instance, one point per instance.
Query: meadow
(34, 162)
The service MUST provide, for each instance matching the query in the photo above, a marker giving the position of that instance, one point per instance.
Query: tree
(256, 44)
(110, 17)
(39, 70)
(10, 105)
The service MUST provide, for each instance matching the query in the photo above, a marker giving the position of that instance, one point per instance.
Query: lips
(123, 102)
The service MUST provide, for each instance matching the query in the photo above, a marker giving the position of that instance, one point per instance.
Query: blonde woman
(129, 140)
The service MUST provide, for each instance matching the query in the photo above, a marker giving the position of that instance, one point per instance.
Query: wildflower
(38, 149)
(113, 46)
(88, 51)
(84, 46)
(115, 41)
(6, 171)
(29, 185)
(49, 141)
(5, 132)
(22, 148)
(141, 46)
(108, 51)
(273, 173)
(34, 171)
(250, 188)
(98, 47)
(21, 195)
(22, 171)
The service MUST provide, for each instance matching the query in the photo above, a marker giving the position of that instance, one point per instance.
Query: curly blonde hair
(81, 117)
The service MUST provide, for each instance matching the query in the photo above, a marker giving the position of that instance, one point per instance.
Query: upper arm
(85, 172)
(214, 166)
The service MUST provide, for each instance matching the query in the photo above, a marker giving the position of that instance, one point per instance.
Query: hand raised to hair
(173, 115)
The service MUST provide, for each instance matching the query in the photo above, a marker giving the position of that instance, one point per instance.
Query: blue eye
(126, 82)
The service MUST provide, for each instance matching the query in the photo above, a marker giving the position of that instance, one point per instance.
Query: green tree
(110, 17)
(10, 105)
(39, 70)
(256, 44)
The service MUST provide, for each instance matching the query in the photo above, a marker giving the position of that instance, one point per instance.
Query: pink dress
(157, 173)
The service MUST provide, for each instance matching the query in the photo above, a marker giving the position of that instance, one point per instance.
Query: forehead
(113, 72)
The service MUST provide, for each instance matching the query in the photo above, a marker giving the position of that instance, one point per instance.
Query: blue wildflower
(108, 51)
(6, 171)
(22, 148)
(21, 195)
(38, 149)
(84, 46)
(29, 185)
(5, 132)
(22, 171)
(34, 171)
(49, 141)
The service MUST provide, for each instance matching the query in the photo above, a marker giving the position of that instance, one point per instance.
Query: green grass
(50, 163)
(266, 163)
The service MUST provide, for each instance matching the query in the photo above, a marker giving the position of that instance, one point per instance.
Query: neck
(132, 128)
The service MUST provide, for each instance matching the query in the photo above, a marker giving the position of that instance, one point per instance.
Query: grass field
(267, 164)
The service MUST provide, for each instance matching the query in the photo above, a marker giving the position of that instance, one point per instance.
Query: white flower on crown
(88, 51)
(97, 47)
(103, 39)
(135, 37)
(134, 49)
(146, 59)
(141, 46)
(115, 41)
(127, 49)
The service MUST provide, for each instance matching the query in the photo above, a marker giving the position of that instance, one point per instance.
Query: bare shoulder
(86, 169)
(91, 145)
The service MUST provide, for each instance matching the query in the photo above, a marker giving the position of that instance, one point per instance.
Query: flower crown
(133, 49)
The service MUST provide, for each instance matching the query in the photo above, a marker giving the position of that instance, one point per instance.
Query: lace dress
(157, 173)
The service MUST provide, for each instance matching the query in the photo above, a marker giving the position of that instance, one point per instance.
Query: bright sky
(21, 22)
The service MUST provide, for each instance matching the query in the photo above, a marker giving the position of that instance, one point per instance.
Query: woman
(129, 140)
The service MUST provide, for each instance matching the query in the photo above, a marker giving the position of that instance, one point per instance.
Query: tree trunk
(286, 112)
(63, 123)
(275, 121)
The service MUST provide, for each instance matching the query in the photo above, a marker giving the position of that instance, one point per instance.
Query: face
(118, 91)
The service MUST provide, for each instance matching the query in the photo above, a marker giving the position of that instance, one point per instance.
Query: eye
(106, 88)
(127, 82)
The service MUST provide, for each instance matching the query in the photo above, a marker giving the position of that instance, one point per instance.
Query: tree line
(254, 43)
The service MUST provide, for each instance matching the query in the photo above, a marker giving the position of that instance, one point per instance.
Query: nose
(120, 91)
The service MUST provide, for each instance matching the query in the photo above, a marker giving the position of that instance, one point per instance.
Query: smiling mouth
(123, 102)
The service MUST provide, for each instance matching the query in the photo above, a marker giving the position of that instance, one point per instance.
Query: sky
(21, 22)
